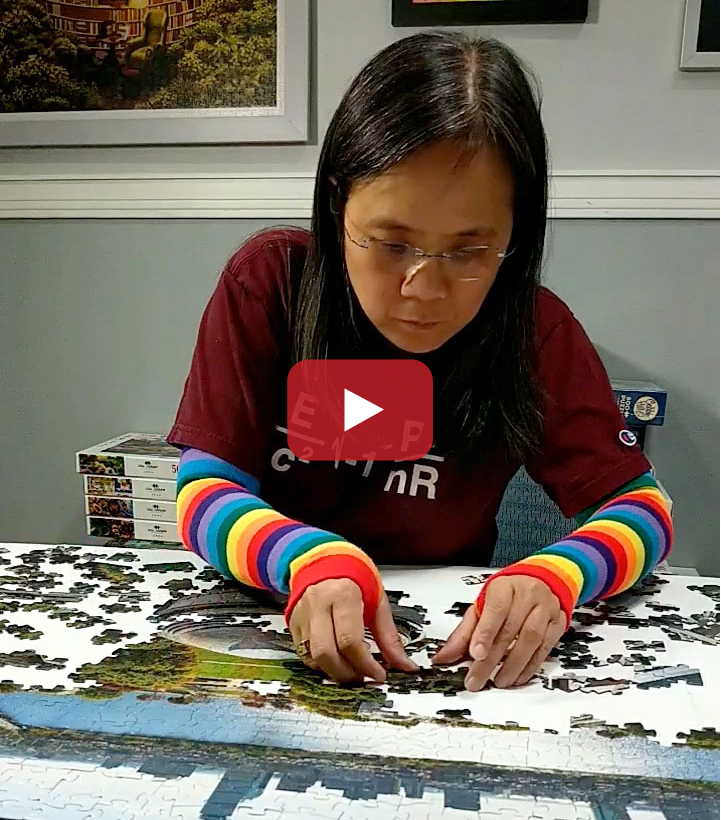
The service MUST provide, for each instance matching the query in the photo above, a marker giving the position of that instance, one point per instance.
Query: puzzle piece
(458, 609)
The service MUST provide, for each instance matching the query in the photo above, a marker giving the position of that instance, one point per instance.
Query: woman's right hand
(329, 615)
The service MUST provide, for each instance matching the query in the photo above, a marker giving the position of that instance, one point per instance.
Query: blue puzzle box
(641, 403)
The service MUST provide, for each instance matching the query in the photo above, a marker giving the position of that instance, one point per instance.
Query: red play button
(360, 409)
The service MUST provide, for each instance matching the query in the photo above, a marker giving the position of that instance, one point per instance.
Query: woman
(426, 242)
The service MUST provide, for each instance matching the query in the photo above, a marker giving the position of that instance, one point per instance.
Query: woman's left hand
(516, 606)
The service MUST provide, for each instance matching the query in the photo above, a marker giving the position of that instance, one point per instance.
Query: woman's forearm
(223, 520)
(619, 543)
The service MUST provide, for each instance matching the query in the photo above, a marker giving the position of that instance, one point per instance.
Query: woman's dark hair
(441, 85)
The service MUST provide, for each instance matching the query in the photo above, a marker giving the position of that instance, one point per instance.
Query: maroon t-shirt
(430, 510)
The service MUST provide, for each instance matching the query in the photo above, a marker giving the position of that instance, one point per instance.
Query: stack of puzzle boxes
(129, 488)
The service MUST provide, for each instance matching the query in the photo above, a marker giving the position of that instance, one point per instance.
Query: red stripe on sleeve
(257, 541)
(197, 499)
(337, 566)
(620, 557)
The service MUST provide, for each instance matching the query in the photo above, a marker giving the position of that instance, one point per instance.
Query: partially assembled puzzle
(140, 683)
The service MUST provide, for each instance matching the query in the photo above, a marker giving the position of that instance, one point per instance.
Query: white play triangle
(357, 409)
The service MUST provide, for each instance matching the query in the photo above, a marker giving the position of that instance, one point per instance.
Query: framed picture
(700, 42)
(474, 12)
(129, 72)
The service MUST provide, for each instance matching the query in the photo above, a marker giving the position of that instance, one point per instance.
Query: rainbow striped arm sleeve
(618, 543)
(222, 519)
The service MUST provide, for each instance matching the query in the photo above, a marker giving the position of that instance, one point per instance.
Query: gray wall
(614, 98)
(99, 319)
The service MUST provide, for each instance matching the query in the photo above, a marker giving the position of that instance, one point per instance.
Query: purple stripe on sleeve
(596, 558)
(603, 551)
(206, 512)
(641, 505)
(645, 518)
(277, 551)
(267, 548)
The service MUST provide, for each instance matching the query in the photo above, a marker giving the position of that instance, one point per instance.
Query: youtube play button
(356, 410)
(360, 409)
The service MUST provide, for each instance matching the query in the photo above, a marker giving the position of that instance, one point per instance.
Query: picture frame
(284, 122)
(700, 40)
(477, 12)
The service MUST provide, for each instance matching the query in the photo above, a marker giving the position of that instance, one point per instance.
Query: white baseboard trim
(278, 196)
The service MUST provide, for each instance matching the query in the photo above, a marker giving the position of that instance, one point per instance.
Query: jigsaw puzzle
(137, 682)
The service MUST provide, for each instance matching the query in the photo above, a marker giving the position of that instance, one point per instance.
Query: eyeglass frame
(419, 253)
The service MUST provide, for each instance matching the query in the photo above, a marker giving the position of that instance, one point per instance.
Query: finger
(496, 606)
(324, 651)
(350, 640)
(553, 634)
(299, 632)
(480, 671)
(388, 640)
(529, 640)
(294, 625)
(456, 647)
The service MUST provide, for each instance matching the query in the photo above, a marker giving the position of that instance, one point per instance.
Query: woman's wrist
(337, 561)
(556, 584)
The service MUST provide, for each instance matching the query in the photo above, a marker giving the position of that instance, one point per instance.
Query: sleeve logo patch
(627, 437)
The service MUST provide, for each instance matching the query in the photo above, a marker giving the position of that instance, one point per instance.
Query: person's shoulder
(274, 241)
(551, 313)
(269, 260)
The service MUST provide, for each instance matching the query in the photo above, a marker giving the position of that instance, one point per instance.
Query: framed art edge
(574, 195)
(178, 127)
(691, 58)
(406, 13)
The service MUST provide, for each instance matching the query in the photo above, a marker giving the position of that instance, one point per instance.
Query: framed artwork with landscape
(124, 72)
(476, 12)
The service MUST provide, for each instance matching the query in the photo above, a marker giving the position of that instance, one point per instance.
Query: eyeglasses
(401, 258)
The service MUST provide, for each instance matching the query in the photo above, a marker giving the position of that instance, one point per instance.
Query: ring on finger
(302, 650)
